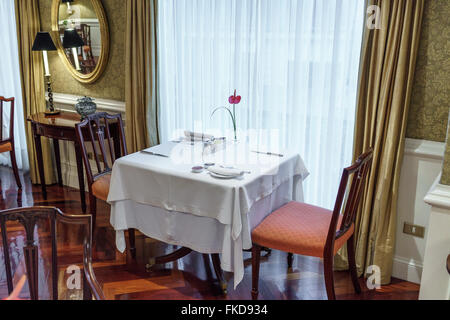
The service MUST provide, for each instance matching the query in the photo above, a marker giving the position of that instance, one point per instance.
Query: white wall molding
(439, 195)
(425, 148)
(421, 165)
(67, 102)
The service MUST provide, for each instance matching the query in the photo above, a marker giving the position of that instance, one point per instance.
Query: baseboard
(407, 269)
(70, 176)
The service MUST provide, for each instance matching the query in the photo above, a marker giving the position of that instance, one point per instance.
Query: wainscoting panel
(422, 163)
(67, 102)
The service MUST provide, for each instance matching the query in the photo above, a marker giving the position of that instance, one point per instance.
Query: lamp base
(52, 113)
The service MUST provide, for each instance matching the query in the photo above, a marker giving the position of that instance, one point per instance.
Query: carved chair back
(28, 218)
(104, 132)
(353, 180)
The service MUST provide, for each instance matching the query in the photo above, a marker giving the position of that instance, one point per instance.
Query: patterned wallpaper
(430, 97)
(111, 84)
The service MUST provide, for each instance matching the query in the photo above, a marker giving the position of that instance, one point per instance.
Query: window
(10, 85)
(294, 62)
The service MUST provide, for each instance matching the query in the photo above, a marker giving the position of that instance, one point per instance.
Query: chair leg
(290, 260)
(132, 238)
(15, 169)
(329, 276)
(352, 264)
(93, 209)
(256, 257)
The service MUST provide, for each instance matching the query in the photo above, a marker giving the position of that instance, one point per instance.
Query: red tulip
(234, 99)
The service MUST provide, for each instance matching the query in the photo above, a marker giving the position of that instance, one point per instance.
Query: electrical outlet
(414, 230)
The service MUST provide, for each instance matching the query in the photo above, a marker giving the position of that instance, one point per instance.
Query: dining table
(157, 192)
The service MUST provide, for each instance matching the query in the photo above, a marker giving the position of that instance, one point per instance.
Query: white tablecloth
(162, 198)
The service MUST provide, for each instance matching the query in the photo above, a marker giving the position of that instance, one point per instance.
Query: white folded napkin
(231, 172)
(197, 136)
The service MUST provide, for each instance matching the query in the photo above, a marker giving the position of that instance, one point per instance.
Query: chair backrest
(11, 119)
(353, 181)
(104, 132)
(28, 218)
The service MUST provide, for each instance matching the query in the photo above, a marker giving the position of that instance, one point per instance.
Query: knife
(269, 153)
(155, 154)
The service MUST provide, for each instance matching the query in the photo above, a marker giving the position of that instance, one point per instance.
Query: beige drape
(386, 80)
(32, 80)
(141, 92)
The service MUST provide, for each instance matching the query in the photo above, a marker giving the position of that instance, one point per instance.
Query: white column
(435, 284)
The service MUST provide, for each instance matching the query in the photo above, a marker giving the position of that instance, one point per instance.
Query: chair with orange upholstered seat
(299, 228)
(7, 145)
(104, 134)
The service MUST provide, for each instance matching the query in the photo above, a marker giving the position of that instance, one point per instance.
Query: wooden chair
(103, 132)
(88, 61)
(299, 228)
(28, 217)
(8, 143)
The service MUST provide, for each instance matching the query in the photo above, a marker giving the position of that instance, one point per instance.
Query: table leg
(58, 161)
(80, 176)
(132, 239)
(40, 161)
(178, 254)
(219, 273)
(182, 252)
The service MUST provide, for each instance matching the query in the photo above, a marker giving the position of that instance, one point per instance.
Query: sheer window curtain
(295, 63)
(10, 85)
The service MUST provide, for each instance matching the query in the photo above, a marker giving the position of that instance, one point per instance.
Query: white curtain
(294, 62)
(10, 85)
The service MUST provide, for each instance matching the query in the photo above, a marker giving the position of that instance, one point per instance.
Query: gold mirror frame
(104, 32)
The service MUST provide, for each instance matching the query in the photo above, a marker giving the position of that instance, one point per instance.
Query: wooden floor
(123, 278)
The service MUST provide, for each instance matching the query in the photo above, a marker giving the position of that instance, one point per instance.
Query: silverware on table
(270, 153)
(243, 171)
(155, 154)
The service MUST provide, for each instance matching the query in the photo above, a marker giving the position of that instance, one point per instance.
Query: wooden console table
(58, 127)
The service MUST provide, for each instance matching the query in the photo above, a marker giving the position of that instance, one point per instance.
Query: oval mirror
(81, 34)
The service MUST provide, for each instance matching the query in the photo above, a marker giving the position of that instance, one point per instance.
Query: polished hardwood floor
(193, 277)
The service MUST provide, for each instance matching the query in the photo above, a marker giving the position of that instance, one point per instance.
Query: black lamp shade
(65, 1)
(43, 42)
(72, 39)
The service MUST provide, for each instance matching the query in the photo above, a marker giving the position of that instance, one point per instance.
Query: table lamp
(69, 7)
(43, 42)
(72, 40)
